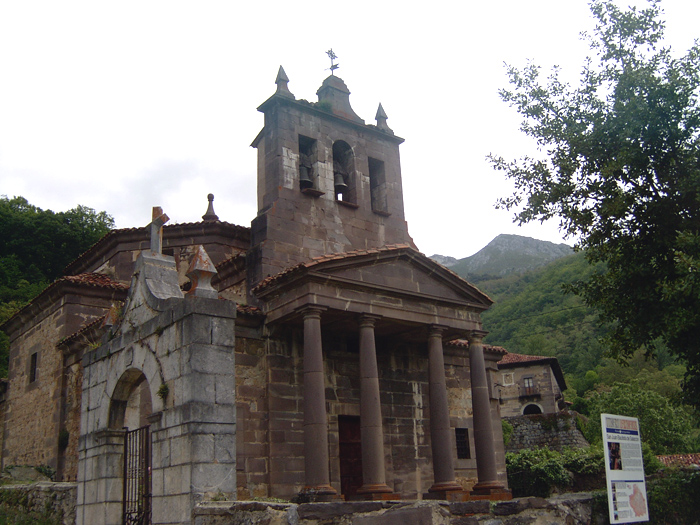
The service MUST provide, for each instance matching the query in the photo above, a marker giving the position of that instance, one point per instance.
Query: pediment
(407, 275)
(397, 270)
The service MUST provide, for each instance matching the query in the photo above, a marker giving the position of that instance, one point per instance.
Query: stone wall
(555, 431)
(54, 499)
(572, 509)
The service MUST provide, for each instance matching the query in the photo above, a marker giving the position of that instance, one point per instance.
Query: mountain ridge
(506, 254)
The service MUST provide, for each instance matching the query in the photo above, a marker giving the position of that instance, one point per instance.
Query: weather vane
(332, 56)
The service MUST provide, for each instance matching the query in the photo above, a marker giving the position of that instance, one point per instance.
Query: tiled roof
(243, 309)
(680, 460)
(325, 258)
(143, 230)
(95, 279)
(489, 348)
(91, 326)
(511, 358)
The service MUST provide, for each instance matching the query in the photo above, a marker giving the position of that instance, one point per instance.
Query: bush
(536, 472)
(507, 431)
(673, 497)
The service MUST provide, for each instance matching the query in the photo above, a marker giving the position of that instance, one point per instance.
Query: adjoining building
(304, 355)
(530, 384)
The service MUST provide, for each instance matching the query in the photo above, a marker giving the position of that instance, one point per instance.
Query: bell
(304, 179)
(339, 182)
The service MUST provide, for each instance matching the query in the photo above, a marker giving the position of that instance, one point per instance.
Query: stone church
(317, 354)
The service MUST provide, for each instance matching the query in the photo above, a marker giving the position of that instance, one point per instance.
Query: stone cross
(332, 56)
(156, 229)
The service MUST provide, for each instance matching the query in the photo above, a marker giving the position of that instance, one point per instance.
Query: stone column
(483, 428)
(373, 472)
(317, 479)
(440, 430)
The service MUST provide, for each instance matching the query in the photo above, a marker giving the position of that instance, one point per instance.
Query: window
(462, 435)
(529, 386)
(307, 164)
(33, 362)
(377, 186)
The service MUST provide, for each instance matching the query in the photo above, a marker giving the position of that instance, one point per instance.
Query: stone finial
(381, 118)
(113, 316)
(200, 272)
(281, 81)
(210, 216)
(156, 229)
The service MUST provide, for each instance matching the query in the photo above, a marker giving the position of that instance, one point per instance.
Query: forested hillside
(35, 246)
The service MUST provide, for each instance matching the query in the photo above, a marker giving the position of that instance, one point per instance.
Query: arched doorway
(531, 409)
(130, 406)
(131, 402)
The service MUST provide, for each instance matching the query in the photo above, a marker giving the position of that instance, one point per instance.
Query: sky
(122, 106)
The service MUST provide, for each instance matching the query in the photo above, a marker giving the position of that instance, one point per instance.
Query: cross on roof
(156, 229)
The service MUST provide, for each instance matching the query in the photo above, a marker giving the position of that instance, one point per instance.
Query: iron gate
(137, 477)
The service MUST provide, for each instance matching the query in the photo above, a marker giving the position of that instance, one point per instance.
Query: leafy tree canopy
(36, 246)
(666, 428)
(620, 167)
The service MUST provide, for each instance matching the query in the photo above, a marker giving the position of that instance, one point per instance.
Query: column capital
(311, 310)
(477, 336)
(368, 319)
(436, 330)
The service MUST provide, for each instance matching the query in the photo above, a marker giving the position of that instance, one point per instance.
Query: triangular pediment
(414, 274)
(399, 270)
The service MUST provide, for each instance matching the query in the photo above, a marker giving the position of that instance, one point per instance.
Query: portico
(394, 295)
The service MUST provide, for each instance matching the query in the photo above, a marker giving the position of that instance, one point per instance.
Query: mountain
(445, 260)
(508, 254)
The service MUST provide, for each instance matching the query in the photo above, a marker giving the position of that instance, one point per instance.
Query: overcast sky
(121, 106)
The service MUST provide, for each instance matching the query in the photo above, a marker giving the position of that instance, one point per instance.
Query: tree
(36, 246)
(667, 429)
(619, 166)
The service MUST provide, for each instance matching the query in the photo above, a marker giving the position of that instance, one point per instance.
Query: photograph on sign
(624, 469)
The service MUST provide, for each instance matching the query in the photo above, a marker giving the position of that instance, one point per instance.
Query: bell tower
(327, 182)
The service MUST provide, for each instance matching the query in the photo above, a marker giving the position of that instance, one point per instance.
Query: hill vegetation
(36, 245)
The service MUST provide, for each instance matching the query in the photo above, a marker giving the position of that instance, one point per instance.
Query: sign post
(624, 469)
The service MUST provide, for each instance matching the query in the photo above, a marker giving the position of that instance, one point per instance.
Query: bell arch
(531, 409)
(344, 172)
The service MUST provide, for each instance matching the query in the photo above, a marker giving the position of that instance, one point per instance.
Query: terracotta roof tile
(511, 358)
(324, 258)
(92, 325)
(680, 460)
(95, 279)
(243, 309)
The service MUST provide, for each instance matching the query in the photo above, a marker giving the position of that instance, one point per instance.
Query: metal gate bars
(137, 477)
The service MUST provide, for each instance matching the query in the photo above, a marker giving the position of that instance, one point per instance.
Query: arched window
(531, 409)
(344, 173)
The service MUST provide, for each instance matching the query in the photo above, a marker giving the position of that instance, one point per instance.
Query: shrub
(507, 431)
(536, 472)
(673, 497)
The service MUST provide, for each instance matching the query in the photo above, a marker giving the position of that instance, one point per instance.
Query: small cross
(156, 229)
(332, 56)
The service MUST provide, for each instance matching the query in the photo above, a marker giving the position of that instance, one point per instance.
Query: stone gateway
(316, 355)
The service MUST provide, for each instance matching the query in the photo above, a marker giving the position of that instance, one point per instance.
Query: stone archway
(131, 402)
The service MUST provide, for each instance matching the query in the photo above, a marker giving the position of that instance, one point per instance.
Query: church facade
(316, 354)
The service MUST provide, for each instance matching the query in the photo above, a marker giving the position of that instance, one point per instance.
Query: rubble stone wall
(555, 431)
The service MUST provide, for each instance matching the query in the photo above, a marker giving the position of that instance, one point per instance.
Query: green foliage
(536, 472)
(36, 246)
(507, 431)
(163, 391)
(620, 167)
(665, 428)
(673, 497)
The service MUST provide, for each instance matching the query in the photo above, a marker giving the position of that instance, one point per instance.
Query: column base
(445, 486)
(319, 490)
(374, 496)
(448, 495)
(490, 491)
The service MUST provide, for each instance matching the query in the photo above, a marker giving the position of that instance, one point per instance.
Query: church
(315, 355)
